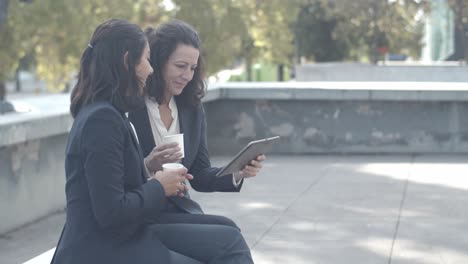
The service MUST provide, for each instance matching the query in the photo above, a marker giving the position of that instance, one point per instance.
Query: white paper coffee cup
(177, 138)
(172, 166)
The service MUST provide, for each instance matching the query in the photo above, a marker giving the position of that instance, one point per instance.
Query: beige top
(157, 126)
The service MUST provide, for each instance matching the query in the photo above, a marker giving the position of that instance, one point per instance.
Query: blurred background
(243, 40)
(383, 79)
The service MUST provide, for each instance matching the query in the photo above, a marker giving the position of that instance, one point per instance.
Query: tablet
(248, 153)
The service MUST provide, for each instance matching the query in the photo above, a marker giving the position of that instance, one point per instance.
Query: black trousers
(205, 243)
(203, 219)
(205, 238)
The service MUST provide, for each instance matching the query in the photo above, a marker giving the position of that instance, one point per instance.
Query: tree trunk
(67, 88)
(2, 91)
(248, 46)
(375, 32)
(248, 69)
(280, 72)
(465, 46)
(5, 106)
(3, 12)
(18, 86)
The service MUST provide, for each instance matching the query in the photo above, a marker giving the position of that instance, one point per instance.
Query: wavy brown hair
(162, 42)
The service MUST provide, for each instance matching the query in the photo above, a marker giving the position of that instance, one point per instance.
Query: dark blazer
(196, 159)
(109, 202)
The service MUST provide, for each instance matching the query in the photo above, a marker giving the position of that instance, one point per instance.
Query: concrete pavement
(376, 209)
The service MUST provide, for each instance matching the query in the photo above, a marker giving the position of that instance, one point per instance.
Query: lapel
(136, 146)
(184, 123)
(134, 139)
(141, 120)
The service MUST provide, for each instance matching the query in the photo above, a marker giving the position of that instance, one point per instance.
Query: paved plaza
(335, 209)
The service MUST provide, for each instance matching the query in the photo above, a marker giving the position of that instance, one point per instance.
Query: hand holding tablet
(248, 153)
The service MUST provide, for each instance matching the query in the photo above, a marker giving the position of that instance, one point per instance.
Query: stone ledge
(37, 118)
(49, 115)
(381, 91)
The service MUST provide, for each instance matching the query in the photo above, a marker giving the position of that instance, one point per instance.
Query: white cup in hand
(177, 138)
(172, 166)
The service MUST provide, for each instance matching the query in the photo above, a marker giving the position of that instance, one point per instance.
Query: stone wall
(326, 118)
(32, 147)
(383, 73)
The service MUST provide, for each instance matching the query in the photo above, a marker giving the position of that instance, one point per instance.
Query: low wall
(315, 117)
(32, 147)
(341, 117)
(380, 73)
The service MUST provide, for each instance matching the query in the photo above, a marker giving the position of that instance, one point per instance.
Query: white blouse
(157, 126)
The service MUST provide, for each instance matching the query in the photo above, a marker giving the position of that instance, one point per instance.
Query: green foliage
(357, 29)
(62, 36)
(261, 72)
(273, 31)
(316, 36)
(12, 47)
(367, 21)
(220, 26)
(56, 32)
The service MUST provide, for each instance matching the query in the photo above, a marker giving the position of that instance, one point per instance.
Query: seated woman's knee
(227, 222)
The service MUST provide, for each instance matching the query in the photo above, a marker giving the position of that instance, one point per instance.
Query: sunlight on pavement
(442, 174)
(256, 205)
(430, 254)
(379, 246)
(448, 174)
(397, 171)
(306, 226)
(286, 257)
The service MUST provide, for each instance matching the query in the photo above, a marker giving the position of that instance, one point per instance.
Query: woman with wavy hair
(173, 106)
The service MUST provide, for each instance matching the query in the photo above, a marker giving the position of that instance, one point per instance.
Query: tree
(220, 27)
(62, 36)
(57, 38)
(315, 34)
(268, 35)
(11, 47)
(392, 21)
(251, 30)
(3, 11)
(361, 28)
(149, 13)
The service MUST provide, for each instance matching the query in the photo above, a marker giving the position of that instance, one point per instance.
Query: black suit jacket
(196, 159)
(109, 202)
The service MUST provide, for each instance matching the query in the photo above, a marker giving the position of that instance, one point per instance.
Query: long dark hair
(103, 75)
(162, 42)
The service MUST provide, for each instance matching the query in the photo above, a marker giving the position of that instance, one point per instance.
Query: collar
(172, 105)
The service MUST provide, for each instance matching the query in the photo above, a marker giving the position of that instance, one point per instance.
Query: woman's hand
(252, 168)
(164, 153)
(173, 181)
